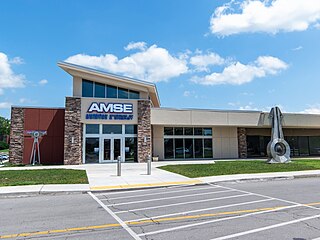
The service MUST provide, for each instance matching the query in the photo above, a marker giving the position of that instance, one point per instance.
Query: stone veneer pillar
(144, 130)
(73, 132)
(242, 142)
(16, 136)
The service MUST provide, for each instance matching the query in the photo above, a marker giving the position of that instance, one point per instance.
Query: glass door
(111, 149)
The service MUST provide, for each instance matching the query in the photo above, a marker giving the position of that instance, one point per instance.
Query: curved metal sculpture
(278, 149)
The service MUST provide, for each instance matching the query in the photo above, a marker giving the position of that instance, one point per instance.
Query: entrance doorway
(111, 149)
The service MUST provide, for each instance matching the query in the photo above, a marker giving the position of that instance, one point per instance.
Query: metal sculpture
(278, 149)
(35, 146)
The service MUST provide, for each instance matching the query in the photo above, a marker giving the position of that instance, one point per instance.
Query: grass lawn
(240, 167)
(4, 151)
(42, 176)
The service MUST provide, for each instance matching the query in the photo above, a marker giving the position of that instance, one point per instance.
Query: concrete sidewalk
(103, 177)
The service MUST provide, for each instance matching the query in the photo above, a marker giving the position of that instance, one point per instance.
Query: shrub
(3, 145)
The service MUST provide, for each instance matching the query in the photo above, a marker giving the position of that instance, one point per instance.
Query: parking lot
(287, 209)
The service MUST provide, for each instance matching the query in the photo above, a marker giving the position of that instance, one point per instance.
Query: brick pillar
(73, 132)
(144, 130)
(242, 142)
(16, 136)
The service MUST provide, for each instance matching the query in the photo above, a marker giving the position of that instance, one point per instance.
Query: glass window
(111, 129)
(92, 150)
(294, 146)
(188, 144)
(168, 148)
(314, 145)
(123, 93)
(168, 131)
(188, 131)
(179, 149)
(87, 88)
(111, 92)
(178, 131)
(198, 148)
(207, 131)
(92, 128)
(134, 95)
(131, 149)
(207, 148)
(303, 146)
(99, 90)
(198, 131)
(131, 129)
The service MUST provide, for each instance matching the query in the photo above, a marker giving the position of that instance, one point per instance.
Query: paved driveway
(288, 209)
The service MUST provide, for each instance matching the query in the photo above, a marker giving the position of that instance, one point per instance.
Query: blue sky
(247, 55)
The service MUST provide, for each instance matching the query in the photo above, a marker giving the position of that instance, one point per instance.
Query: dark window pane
(188, 144)
(314, 145)
(179, 149)
(111, 92)
(188, 131)
(99, 90)
(131, 149)
(92, 128)
(208, 148)
(131, 129)
(198, 148)
(134, 95)
(303, 146)
(168, 148)
(123, 93)
(92, 150)
(294, 146)
(87, 88)
(178, 131)
(111, 129)
(198, 131)
(168, 131)
(253, 146)
(207, 131)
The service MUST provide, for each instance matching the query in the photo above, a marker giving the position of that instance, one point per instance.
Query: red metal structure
(52, 144)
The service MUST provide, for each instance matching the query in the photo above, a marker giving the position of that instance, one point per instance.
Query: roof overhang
(79, 71)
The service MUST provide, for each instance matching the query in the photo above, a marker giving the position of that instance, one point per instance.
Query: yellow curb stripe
(145, 221)
(144, 185)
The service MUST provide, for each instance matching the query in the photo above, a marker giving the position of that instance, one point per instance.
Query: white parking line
(261, 195)
(166, 198)
(265, 228)
(159, 193)
(123, 224)
(215, 220)
(148, 189)
(199, 210)
(182, 203)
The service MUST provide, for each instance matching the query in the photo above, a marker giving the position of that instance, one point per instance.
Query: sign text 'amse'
(110, 111)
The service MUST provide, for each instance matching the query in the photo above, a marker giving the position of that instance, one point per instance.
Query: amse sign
(110, 111)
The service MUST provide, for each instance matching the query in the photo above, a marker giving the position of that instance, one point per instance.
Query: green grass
(42, 176)
(240, 167)
(4, 151)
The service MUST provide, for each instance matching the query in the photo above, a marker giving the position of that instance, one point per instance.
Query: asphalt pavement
(286, 209)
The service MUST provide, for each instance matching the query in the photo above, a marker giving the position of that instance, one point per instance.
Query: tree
(4, 126)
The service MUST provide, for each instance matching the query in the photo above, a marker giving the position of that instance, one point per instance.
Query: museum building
(111, 116)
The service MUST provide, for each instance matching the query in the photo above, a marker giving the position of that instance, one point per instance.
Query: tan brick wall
(16, 136)
(144, 130)
(73, 132)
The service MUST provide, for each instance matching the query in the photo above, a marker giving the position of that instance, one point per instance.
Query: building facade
(110, 117)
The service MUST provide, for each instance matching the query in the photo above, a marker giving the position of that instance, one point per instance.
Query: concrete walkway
(104, 177)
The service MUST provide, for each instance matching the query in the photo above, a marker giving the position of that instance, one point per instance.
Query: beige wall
(225, 142)
(197, 117)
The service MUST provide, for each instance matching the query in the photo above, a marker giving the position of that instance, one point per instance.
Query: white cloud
(202, 61)
(136, 45)
(265, 16)
(8, 79)
(17, 60)
(153, 64)
(312, 109)
(297, 48)
(238, 73)
(43, 82)
(5, 105)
